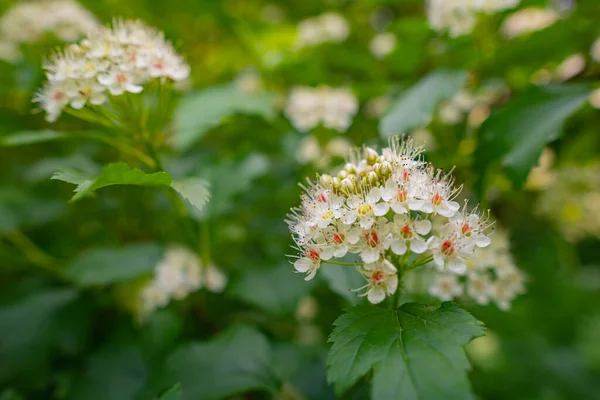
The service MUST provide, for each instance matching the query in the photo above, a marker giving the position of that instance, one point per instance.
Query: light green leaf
(417, 105)
(113, 174)
(172, 394)
(276, 291)
(202, 111)
(516, 134)
(236, 361)
(194, 190)
(107, 265)
(30, 137)
(342, 280)
(416, 351)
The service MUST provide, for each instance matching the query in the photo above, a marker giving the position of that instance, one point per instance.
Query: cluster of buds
(30, 21)
(334, 108)
(393, 210)
(492, 276)
(178, 274)
(108, 63)
(327, 27)
(458, 17)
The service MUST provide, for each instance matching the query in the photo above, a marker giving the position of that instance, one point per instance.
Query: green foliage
(172, 394)
(415, 107)
(415, 351)
(104, 266)
(237, 360)
(30, 137)
(516, 134)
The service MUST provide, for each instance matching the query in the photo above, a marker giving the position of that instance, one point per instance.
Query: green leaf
(415, 351)
(416, 106)
(276, 291)
(107, 265)
(30, 137)
(342, 280)
(202, 111)
(194, 190)
(236, 361)
(172, 394)
(516, 134)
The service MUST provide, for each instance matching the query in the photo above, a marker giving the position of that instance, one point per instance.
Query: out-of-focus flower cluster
(29, 21)
(334, 108)
(329, 27)
(458, 17)
(177, 275)
(528, 20)
(310, 151)
(472, 105)
(110, 61)
(491, 276)
(571, 200)
(382, 44)
(393, 210)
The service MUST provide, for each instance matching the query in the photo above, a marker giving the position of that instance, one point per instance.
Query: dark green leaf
(342, 280)
(172, 394)
(415, 351)
(236, 361)
(103, 266)
(516, 134)
(416, 106)
(202, 111)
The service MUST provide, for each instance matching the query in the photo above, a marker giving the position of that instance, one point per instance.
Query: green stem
(343, 263)
(418, 263)
(36, 255)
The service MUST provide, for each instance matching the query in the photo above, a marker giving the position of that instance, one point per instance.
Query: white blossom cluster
(491, 277)
(110, 61)
(528, 20)
(394, 211)
(308, 107)
(382, 44)
(329, 27)
(458, 17)
(472, 105)
(177, 275)
(310, 151)
(29, 21)
(571, 200)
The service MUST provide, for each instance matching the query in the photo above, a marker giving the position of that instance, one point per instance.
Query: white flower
(118, 82)
(446, 287)
(341, 237)
(382, 281)
(382, 44)
(471, 226)
(309, 263)
(571, 67)
(528, 20)
(402, 194)
(374, 241)
(438, 199)
(365, 208)
(479, 287)
(449, 253)
(406, 234)
(215, 279)
(328, 27)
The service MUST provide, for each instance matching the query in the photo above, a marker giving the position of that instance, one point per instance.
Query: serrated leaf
(113, 174)
(236, 361)
(515, 135)
(107, 265)
(30, 137)
(172, 394)
(276, 291)
(194, 190)
(416, 106)
(342, 280)
(202, 111)
(415, 351)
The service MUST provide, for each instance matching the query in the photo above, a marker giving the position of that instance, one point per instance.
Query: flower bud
(335, 183)
(371, 156)
(348, 186)
(325, 180)
(373, 178)
(385, 169)
(350, 168)
(342, 174)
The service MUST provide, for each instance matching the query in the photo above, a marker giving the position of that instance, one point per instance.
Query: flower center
(338, 238)
(377, 277)
(327, 215)
(405, 176)
(322, 197)
(58, 95)
(313, 255)
(466, 229)
(447, 248)
(364, 209)
(402, 195)
(437, 199)
(121, 78)
(406, 232)
(372, 238)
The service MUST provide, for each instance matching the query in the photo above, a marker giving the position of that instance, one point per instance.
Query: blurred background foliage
(66, 331)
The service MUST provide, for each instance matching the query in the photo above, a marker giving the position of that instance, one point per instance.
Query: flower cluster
(327, 27)
(110, 61)
(382, 44)
(310, 151)
(177, 275)
(458, 17)
(474, 105)
(29, 21)
(572, 201)
(393, 210)
(528, 20)
(334, 108)
(491, 276)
